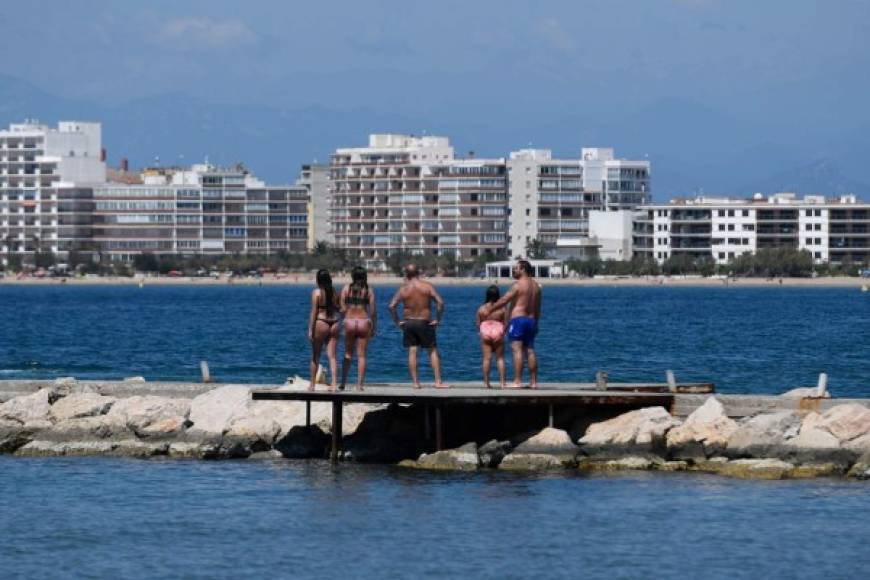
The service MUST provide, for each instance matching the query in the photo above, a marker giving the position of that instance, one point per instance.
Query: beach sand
(307, 279)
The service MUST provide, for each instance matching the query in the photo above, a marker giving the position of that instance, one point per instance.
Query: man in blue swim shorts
(525, 299)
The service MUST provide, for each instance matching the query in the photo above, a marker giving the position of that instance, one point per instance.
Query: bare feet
(442, 386)
(533, 386)
(501, 386)
(310, 386)
(418, 386)
(333, 388)
(487, 385)
(359, 388)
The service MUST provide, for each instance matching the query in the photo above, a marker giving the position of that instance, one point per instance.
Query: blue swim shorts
(523, 328)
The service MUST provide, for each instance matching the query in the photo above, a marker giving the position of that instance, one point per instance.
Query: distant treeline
(765, 263)
(772, 263)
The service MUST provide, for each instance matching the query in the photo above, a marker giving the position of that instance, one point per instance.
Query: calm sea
(745, 340)
(112, 518)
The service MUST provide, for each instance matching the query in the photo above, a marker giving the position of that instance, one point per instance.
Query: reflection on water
(111, 517)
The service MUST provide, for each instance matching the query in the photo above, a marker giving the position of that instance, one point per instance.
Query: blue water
(111, 518)
(746, 340)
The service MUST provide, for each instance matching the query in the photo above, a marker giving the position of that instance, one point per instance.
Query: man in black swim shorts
(417, 326)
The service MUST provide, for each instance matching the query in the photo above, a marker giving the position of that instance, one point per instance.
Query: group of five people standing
(515, 315)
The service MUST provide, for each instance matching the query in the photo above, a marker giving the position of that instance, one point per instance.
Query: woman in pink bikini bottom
(491, 325)
(360, 323)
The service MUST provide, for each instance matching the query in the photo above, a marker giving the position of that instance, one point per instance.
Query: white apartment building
(44, 173)
(551, 199)
(835, 230)
(203, 209)
(411, 194)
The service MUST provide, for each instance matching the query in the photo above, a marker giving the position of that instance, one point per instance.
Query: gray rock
(629, 463)
(28, 408)
(861, 468)
(270, 455)
(845, 422)
(14, 435)
(704, 433)
(303, 442)
(463, 458)
(492, 452)
(803, 392)
(98, 428)
(211, 412)
(764, 436)
(549, 449)
(640, 431)
(77, 405)
(757, 469)
(125, 448)
(151, 417)
(531, 462)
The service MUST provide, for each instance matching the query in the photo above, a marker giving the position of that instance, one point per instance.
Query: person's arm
(479, 320)
(538, 309)
(504, 300)
(312, 315)
(373, 311)
(394, 305)
(342, 304)
(439, 306)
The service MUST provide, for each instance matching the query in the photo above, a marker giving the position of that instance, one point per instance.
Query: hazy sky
(721, 95)
(755, 59)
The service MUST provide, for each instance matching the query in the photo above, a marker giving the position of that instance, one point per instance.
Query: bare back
(526, 298)
(416, 297)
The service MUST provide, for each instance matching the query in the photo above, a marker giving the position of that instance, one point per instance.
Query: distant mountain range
(693, 149)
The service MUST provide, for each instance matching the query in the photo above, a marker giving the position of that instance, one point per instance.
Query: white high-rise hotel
(412, 194)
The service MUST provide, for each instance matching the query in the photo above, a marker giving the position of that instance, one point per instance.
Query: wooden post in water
(672, 381)
(601, 380)
(206, 375)
(308, 413)
(550, 408)
(822, 387)
(439, 430)
(336, 431)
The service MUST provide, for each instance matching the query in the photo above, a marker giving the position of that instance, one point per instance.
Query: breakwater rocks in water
(71, 418)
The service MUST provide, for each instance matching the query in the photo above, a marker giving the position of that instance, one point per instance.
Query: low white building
(542, 269)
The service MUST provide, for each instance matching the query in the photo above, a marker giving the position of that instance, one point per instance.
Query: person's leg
(317, 336)
(435, 361)
(412, 366)
(533, 367)
(347, 359)
(332, 355)
(487, 361)
(361, 345)
(517, 349)
(499, 362)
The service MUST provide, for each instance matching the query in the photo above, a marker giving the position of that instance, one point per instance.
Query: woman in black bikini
(323, 326)
(360, 323)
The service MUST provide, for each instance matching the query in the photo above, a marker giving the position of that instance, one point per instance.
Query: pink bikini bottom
(492, 330)
(358, 326)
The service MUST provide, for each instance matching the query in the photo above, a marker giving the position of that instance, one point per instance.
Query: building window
(745, 213)
(808, 227)
(721, 227)
(721, 213)
(808, 212)
(730, 227)
(721, 255)
(730, 213)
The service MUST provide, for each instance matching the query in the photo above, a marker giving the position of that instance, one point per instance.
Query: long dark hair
(324, 282)
(359, 281)
(492, 294)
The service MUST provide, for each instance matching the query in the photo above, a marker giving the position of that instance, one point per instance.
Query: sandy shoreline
(308, 279)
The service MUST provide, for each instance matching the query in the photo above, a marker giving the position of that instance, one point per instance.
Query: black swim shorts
(418, 333)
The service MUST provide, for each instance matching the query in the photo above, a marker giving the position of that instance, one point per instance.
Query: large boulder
(211, 412)
(463, 458)
(845, 422)
(861, 468)
(122, 448)
(77, 405)
(151, 417)
(29, 408)
(302, 442)
(704, 433)
(764, 435)
(634, 432)
(83, 429)
(14, 435)
(492, 452)
(550, 448)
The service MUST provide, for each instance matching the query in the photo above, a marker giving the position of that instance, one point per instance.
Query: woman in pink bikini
(492, 324)
(360, 323)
